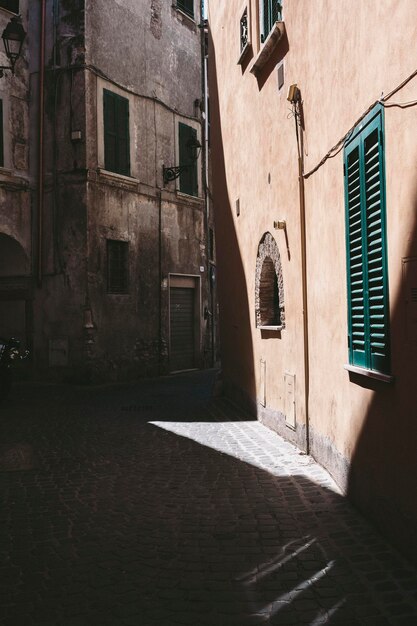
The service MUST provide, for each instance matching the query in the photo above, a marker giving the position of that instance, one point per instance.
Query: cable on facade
(383, 101)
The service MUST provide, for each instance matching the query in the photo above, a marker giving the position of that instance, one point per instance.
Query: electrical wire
(336, 149)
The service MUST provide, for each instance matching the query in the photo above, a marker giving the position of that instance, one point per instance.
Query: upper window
(187, 136)
(10, 5)
(187, 6)
(117, 266)
(367, 276)
(116, 133)
(1, 135)
(271, 12)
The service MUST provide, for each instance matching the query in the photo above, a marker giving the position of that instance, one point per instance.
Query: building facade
(312, 106)
(111, 210)
(16, 311)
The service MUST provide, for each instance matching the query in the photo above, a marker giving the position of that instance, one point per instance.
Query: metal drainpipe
(304, 283)
(41, 137)
(160, 361)
(205, 176)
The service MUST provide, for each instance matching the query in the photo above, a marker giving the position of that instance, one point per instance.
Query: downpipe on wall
(41, 138)
(299, 127)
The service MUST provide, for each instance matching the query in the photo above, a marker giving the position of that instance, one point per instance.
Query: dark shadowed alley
(157, 504)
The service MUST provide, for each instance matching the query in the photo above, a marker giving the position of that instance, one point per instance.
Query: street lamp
(13, 37)
(171, 173)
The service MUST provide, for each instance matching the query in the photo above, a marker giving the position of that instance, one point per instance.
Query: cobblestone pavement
(154, 505)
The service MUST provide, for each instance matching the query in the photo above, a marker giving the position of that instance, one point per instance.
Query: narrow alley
(157, 504)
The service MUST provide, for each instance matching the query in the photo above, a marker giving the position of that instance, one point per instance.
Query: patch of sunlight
(290, 596)
(253, 443)
(266, 569)
(288, 552)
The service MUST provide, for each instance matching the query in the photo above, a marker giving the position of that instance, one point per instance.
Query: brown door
(182, 328)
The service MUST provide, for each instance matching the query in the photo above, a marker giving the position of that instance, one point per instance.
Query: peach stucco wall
(344, 56)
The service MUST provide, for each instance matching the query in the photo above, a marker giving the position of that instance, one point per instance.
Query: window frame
(266, 23)
(180, 5)
(114, 164)
(187, 182)
(11, 10)
(362, 217)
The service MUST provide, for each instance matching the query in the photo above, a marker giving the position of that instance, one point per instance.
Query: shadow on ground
(122, 521)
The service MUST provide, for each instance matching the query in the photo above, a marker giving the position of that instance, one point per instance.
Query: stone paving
(155, 505)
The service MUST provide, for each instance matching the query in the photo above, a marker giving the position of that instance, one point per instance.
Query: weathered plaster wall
(148, 46)
(363, 431)
(254, 129)
(14, 93)
(149, 53)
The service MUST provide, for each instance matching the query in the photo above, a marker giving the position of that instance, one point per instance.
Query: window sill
(2, 9)
(385, 378)
(244, 54)
(188, 196)
(183, 14)
(270, 327)
(268, 47)
(129, 180)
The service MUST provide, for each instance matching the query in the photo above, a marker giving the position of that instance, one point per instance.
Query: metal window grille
(117, 266)
(244, 32)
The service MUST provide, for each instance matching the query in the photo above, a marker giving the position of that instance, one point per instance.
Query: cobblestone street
(154, 504)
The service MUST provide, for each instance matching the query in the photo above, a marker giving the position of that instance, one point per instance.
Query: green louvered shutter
(376, 252)
(355, 260)
(116, 133)
(123, 135)
(368, 309)
(187, 6)
(1, 135)
(188, 177)
(271, 13)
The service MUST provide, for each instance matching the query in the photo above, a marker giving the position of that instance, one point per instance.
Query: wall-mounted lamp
(294, 94)
(171, 173)
(281, 224)
(13, 37)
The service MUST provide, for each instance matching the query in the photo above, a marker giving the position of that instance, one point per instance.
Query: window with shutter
(1, 135)
(188, 177)
(116, 133)
(10, 5)
(271, 12)
(187, 6)
(368, 304)
(117, 266)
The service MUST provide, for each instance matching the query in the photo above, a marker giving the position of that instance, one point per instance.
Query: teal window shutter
(116, 133)
(1, 135)
(367, 275)
(271, 13)
(187, 6)
(188, 176)
(117, 266)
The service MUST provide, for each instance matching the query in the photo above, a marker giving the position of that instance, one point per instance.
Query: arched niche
(269, 285)
(13, 259)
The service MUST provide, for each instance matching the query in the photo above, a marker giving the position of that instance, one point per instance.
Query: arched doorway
(15, 293)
